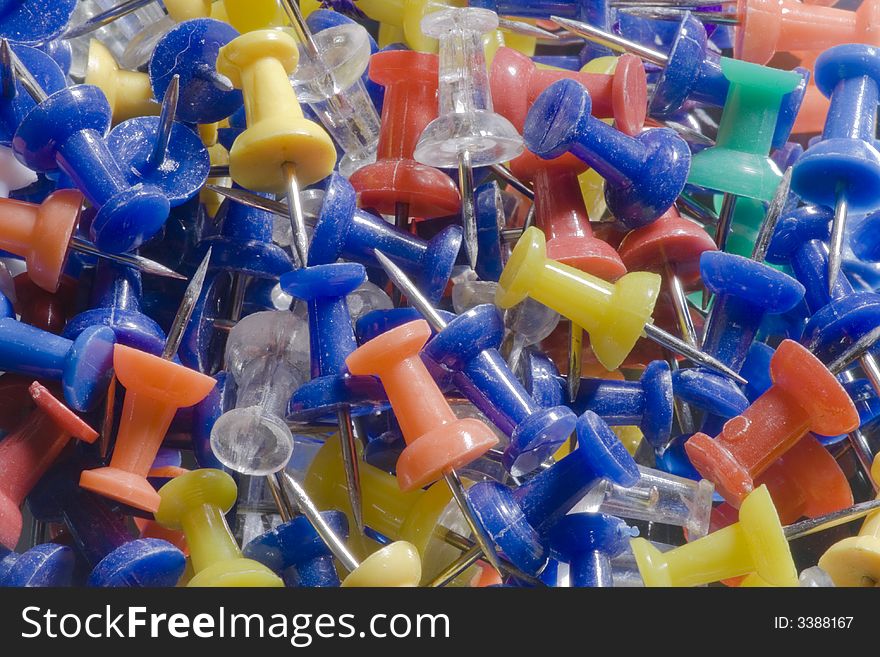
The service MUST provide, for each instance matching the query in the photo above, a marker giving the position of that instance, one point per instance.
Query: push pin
(615, 315)
(65, 131)
(113, 554)
(437, 441)
(467, 133)
(643, 175)
(155, 388)
(756, 544)
(297, 553)
(805, 393)
(842, 170)
(329, 79)
(264, 359)
(161, 152)
(396, 184)
(516, 82)
(30, 450)
(280, 150)
(588, 542)
(468, 345)
(855, 561)
(196, 503)
(189, 51)
(332, 339)
(116, 294)
(33, 21)
(517, 519)
(48, 564)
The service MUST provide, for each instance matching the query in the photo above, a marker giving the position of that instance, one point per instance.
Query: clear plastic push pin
(265, 356)
(467, 133)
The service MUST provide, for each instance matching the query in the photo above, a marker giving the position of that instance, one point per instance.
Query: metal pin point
(437, 323)
(666, 13)
(853, 352)
(774, 212)
(575, 360)
(7, 72)
(612, 41)
(134, 260)
(859, 443)
(296, 214)
(281, 502)
(348, 435)
(185, 310)
(507, 176)
(835, 246)
(310, 511)
(526, 29)
(98, 21)
(829, 520)
(682, 348)
(166, 123)
(468, 211)
(255, 201)
(23, 75)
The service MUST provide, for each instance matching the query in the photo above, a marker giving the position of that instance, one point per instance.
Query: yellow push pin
(755, 544)
(128, 92)
(280, 149)
(614, 314)
(395, 565)
(195, 503)
(406, 15)
(250, 15)
(855, 561)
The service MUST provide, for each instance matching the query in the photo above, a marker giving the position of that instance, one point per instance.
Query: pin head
(190, 50)
(143, 562)
(761, 286)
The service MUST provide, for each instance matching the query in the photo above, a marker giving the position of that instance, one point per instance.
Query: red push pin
(671, 246)
(397, 184)
(804, 397)
(48, 311)
(516, 82)
(437, 441)
(560, 212)
(15, 400)
(28, 452)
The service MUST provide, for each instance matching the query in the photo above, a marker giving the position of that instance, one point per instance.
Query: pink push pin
(28, 452)
(804, 397)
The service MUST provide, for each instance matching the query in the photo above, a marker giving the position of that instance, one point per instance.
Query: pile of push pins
(408, 293)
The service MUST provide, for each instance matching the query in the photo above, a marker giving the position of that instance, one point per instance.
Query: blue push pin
(66, 131)
(517, 519)
(588, 542)
(489, 210)
(344, 231)
(102, 536)
(468, 346)
(332, 390)
(41, 566)
(189, 50)
(842, 170)
(116, 294)
(15, 102)
(643, 174)
(162, 153)
(745, 292)
(84, 366)
(840, 315)
(296, 551)
(34, 21)
(646, 403)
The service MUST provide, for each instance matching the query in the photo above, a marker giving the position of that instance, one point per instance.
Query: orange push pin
(195, 503)
(155, 388)
(804, 397)
(436, 440)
